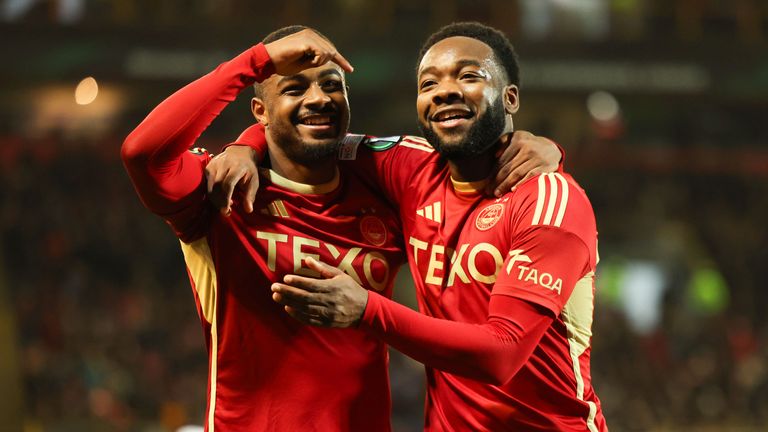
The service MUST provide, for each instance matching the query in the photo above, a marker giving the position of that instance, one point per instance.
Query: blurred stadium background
(660, 104)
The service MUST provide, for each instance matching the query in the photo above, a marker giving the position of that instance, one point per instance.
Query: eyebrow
(300, 77)
(459, 64)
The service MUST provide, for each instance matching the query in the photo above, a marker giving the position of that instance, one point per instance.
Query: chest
(456, 247)
(359, 236)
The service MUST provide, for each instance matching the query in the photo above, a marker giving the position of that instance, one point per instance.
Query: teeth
(450, 115)
(316, 120)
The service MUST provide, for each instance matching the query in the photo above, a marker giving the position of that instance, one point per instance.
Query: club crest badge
(373, 229)
(489, 216)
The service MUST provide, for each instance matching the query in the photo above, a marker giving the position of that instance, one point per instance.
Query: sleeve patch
(348, 147)
(381, 144)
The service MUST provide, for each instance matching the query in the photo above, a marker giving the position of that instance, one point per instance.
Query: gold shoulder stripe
(549, 187)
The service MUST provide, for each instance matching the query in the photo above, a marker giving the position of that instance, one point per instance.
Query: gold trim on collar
(469, 188)
(302, 188)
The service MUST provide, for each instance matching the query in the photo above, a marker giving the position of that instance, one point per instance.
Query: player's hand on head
(525, 156)
(233, 168)
(333, 300)
(302, 50)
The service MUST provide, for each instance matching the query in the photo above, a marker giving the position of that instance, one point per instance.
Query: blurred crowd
(108, 338)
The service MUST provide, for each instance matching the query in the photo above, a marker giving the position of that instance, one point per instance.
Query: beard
(307, 150)
(479, 138)
(308, 153)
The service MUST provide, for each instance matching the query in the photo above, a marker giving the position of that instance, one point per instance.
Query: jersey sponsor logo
(349, 145)
(276, 208)
(531, 274)
(515, 256)
(480, 262)
(488, 217)
(354, 261)
(373, 229)
(381, 144)
(433, 212)
(551, 201)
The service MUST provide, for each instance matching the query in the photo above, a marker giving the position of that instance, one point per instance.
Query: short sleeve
(553, 244)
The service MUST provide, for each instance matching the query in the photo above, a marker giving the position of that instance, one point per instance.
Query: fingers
(300, 305)
(216, 195)
(343, 62)
(519, 162)
(215, 171)
(235, 177)
(508, 175)
(252, 185)
(525, 171)
(306, 283)
(307, 318)
(302, 50)
(329, 53)
(291, 296)
(324, 269)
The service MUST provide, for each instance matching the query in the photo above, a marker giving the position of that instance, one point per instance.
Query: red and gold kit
(505, 289)
(268, 372)
(495, 279)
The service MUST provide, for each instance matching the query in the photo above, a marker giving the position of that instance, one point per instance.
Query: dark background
(660, 105)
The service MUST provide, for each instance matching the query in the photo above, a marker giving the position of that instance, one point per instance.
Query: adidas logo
(276, 208)
(433, 212)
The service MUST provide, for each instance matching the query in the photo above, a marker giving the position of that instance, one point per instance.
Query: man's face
(306, 114)
(461, 103)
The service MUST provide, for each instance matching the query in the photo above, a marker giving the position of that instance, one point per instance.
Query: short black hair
(279, 34)
(498, 41)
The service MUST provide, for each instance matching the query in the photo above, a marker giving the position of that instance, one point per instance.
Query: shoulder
(358, 145)
(556, 200)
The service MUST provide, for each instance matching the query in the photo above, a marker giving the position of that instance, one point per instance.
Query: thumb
(324, 269)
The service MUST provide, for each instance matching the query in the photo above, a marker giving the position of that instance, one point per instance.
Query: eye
(294, 90)
(470, 76)
(427, 84)
(332, 86)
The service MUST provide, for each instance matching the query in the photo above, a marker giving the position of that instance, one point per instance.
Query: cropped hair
(500, 45)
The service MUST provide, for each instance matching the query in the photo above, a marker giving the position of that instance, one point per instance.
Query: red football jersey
(539, 244)
(268, 372)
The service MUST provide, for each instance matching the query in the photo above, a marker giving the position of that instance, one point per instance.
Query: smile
(451, 117)
(317, 120)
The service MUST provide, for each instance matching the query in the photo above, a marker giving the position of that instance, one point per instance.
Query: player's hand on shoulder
(302, 50)
(233, 168)
(333, 300)
(525, 156)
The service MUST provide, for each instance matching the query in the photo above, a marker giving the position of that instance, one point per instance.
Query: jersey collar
(469, 188)
(302, 188)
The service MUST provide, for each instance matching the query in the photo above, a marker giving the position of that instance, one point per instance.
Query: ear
(259, 110)
(511, 99)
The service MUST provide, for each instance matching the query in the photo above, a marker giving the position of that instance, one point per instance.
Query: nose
(447, 92)
(316, 96)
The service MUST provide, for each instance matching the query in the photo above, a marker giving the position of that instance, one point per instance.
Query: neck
(472, 170)
(319, 171)
(480, 167)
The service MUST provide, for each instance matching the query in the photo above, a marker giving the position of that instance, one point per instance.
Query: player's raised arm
(155, 153)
